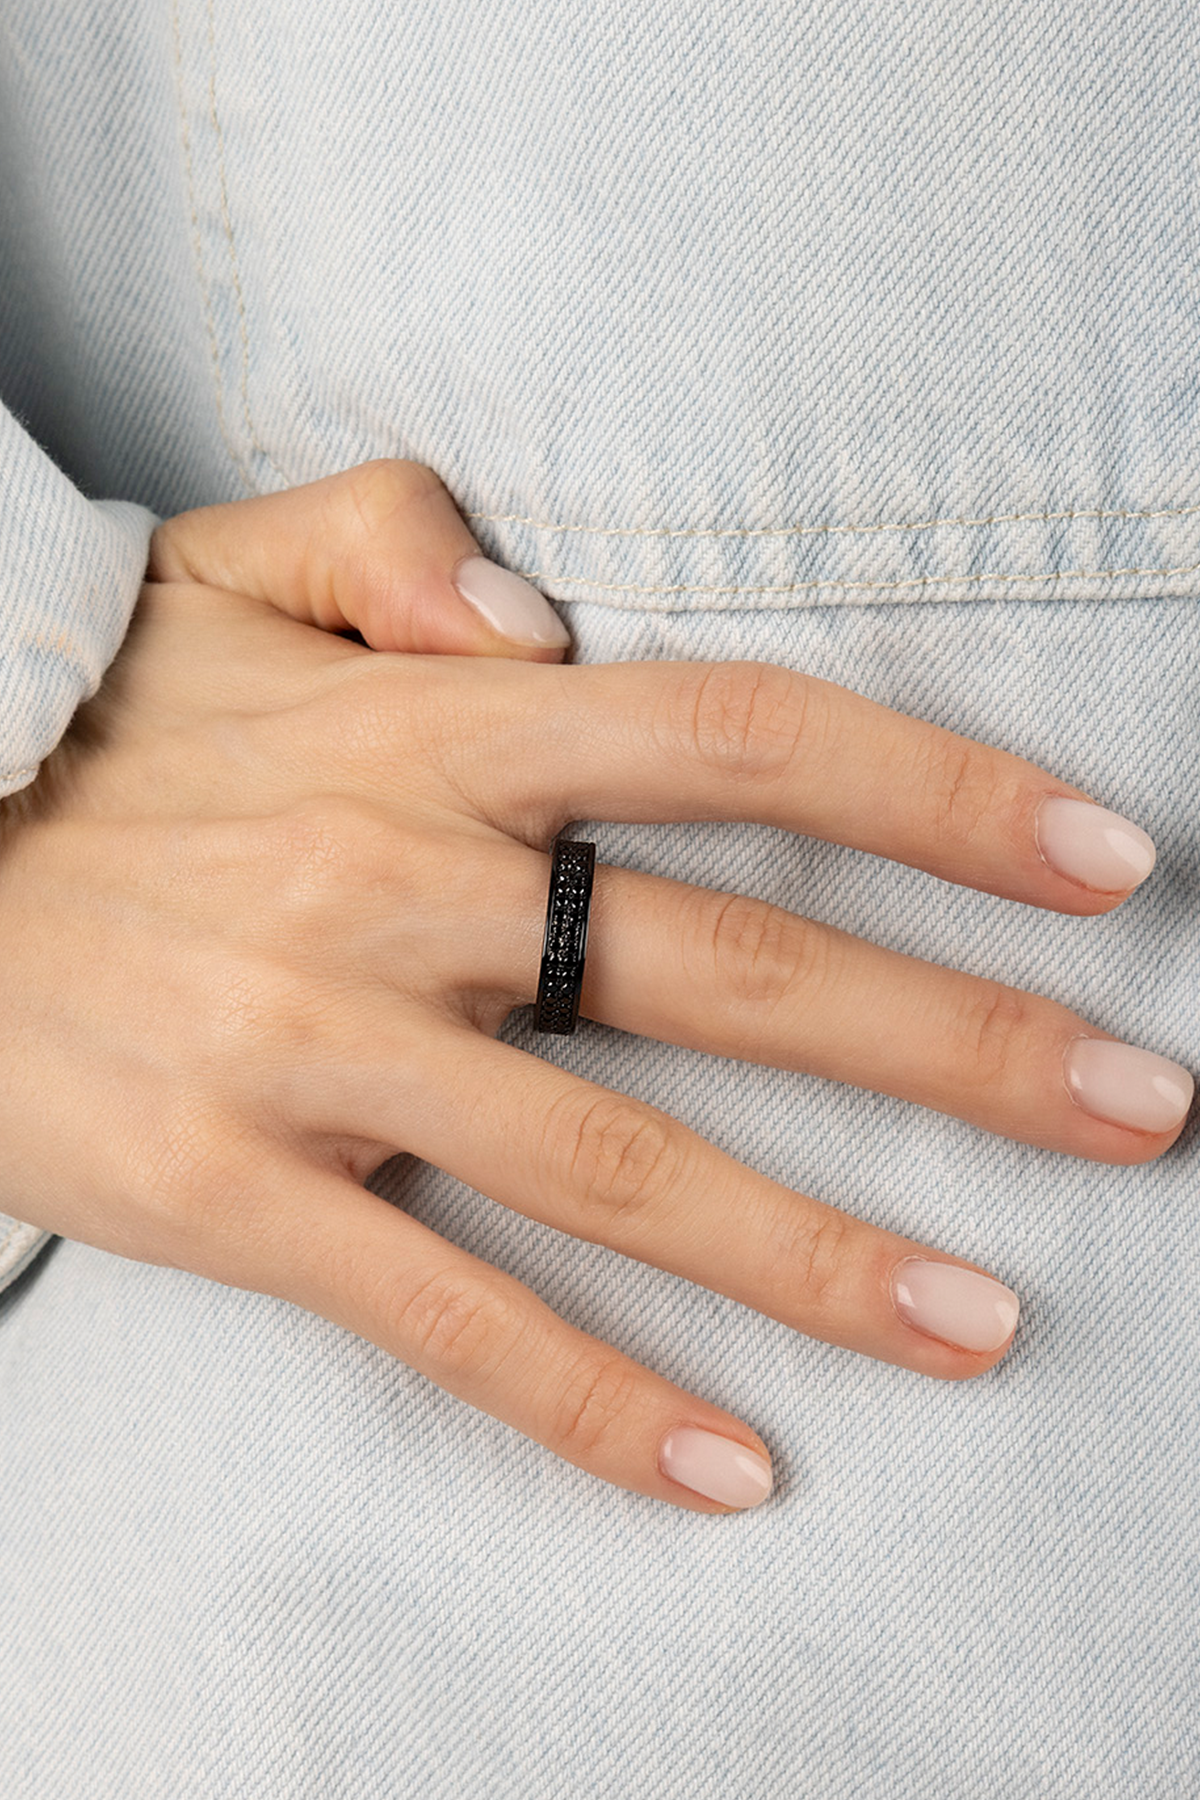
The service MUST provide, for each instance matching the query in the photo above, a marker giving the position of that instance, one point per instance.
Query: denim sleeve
(70, 569)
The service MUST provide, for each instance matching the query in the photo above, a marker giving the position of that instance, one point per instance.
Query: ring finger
(737, 977)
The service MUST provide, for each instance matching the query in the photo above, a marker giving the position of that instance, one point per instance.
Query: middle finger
(755, 742)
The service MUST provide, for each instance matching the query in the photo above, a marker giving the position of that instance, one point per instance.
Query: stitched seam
(198, 253)
(737, 531)
(11, 774)
(234, 266)
(797, 587)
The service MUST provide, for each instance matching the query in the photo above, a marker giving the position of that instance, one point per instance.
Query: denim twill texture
(742, 332)
(244, 1553)
(689, 304)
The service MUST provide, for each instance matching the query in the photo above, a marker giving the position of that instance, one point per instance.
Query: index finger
(751, 741)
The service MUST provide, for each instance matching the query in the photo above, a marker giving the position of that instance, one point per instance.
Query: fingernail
(509, 604)
(715, 1466)
(1091, 845)
(957, 1305)
(1127, 1086)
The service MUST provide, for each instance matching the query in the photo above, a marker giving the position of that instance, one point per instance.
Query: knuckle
(815, 1252)
(619, 1157)
(275, 1019)
(993, 1035)
(371, 495)
(186, 1187)
(760, 954)
(744, 719)
(454, 1330)
(394, 713)
(956, 788)
(592, 1405)
(329, 842)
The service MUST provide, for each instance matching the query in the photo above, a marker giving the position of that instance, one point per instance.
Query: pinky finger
(337, 1250)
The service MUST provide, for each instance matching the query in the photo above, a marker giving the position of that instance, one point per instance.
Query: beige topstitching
(796, 587)
(739, 531)
(198, 253)
(234, 265)
(716, 532)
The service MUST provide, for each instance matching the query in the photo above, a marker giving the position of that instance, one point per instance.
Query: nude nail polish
(511, 606)
(959, 1306)
(1127, 1086)
(715, 1466)
(1090, 845)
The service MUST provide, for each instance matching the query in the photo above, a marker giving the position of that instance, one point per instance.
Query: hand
(247, 959)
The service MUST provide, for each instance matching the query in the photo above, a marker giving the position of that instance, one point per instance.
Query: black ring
(572, 866)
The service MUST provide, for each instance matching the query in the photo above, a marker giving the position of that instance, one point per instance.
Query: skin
(266, 844)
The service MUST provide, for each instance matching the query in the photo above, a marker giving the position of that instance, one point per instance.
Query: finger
(736, 977)
(328, 1245)
(615, 1171)
(381, 549)
(755, 742)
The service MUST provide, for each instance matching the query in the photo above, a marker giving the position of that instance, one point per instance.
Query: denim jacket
(693, 306)
(861, 335)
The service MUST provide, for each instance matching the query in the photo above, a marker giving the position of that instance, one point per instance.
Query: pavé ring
(572, 867)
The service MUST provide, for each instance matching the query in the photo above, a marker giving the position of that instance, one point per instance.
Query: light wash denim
(862, 339)
(68, 574)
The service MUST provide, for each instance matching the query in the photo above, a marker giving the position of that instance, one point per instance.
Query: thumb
(381, 549)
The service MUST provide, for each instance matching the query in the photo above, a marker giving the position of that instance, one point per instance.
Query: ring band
(572, 867)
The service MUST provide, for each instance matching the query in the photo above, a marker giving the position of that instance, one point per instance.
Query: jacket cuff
(19, 1244)
(70, 571)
